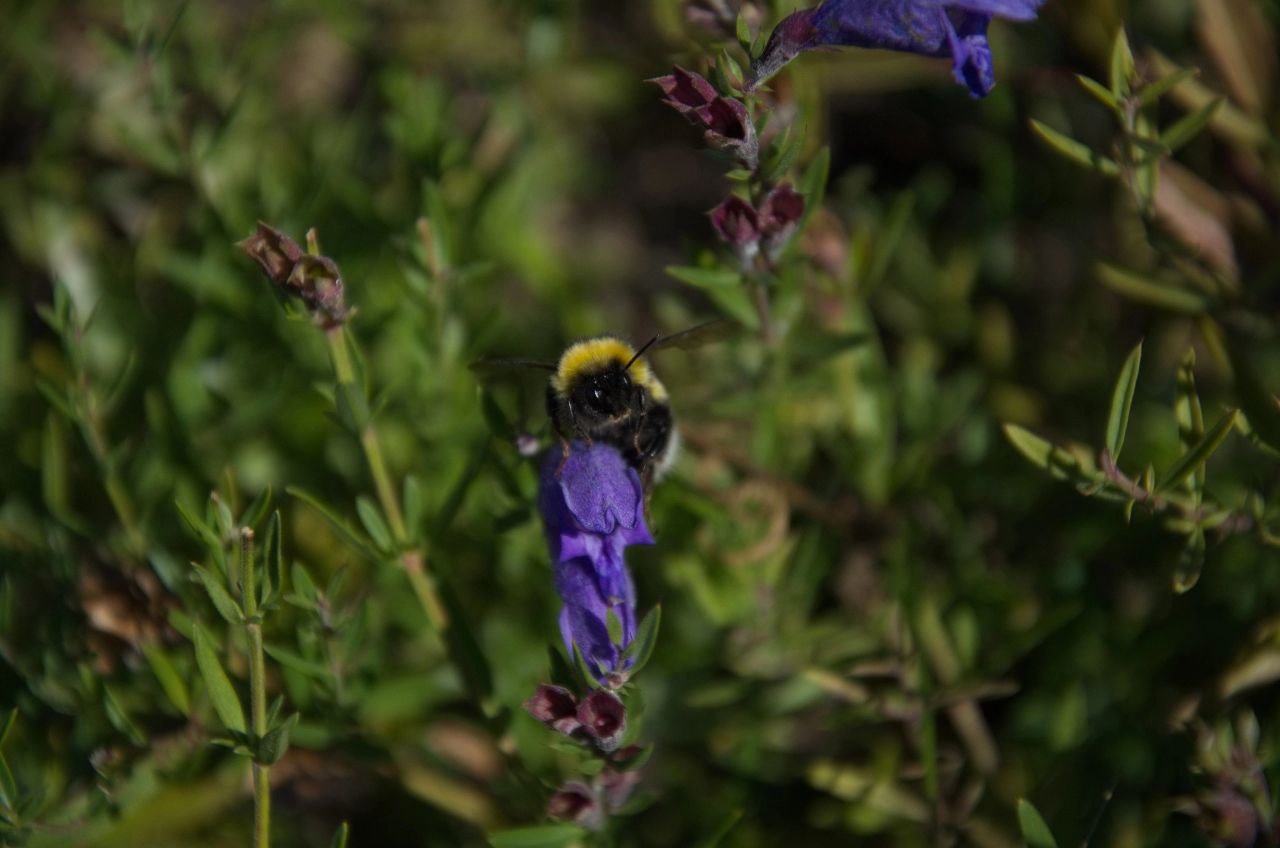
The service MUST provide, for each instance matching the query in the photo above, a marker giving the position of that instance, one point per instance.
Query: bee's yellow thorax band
(596, 354)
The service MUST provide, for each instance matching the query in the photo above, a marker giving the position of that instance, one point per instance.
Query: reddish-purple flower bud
(779, 216)
(576, 802)
(782, 208)
(726, 122)
(617, 786)
(736, 222)
(685, 91)
(555, 707)
(604, 717)
(315, 280)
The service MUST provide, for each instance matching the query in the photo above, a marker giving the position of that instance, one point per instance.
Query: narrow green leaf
(1150, 292)
(1122, 402)
(8, 786)
(1256, 398)
(6, 724)
(1075, 151)
(414, 506)
(1190, 562)
(205, 534)
(167, 675)
(223, 695)
(641, 648)
(1190, 417)
(303, 586)
(340, 836)
(349, 534)
(1189, 126)
(722, 830)
(284, 656)
(813, 185)
(272, 560)
(1198, 453)
(1059, 462)
(538, 836)
(222, 600)
(743, 32)
(254, 513)
(722, 285)
(119, 717)
(275, 742)
(1034, 830)
(1121, 65)
(1151, 93)
(464, 646)
(374, 524)
(1098, 90)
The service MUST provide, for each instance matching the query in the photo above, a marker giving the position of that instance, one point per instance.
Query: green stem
(412, 560)
(257, 690)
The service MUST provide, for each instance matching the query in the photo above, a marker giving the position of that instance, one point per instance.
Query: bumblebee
(602, 390)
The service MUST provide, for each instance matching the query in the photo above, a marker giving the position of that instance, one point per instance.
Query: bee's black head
(608, 393)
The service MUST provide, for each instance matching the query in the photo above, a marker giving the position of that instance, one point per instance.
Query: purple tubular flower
(954, 28)
(604, 717)
(555, 707)
(736, 222)
(592, 506)
(725, 122)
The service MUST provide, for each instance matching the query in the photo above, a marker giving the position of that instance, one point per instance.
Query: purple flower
(592, 506)
(726, 123)
(576, 802)
(604, 718)
(955, 28)
(736, 222)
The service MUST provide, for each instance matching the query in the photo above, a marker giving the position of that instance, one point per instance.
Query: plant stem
(412, 560)
(257, 690)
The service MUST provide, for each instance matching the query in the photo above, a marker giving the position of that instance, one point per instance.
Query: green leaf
(743, 32)
(119, 717)
(1059, 462)
(304, 588)
(167, 675)
(1074, 150)
(374, 524)
(1190, 126)
(1256, 398)
(223, 695)
(8, 786)
(538, 836)
(1121, 65)
(272, 560)
(1190, 417)
(1098, 90)
(464, 647)
(6, 724)
(1151, 93)
(1199, 453)
(222, 600)
(275, 742)
(201, 530)
(813, 185)
(1122, 402)
(340, 836)
(298, 663)
(414, 506)
(641, 648)
(1190, 562)
(256, 510)
(723, 286)
(350, 535)
(727, 824)
(1148, 291)
(1034, 830)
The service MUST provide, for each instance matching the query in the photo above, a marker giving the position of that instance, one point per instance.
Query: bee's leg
(564, 456)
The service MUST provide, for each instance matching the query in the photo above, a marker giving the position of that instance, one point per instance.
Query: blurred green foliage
(879, 619)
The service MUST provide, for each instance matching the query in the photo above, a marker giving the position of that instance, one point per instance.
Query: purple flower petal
(955, 28)
(592, 506)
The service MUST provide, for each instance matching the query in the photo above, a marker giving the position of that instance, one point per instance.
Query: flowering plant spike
(954, 28)
(592, 506)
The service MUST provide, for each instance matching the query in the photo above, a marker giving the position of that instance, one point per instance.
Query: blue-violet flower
(592, 506)
(955, 28)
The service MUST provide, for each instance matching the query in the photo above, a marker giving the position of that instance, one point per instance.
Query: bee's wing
(698, 335)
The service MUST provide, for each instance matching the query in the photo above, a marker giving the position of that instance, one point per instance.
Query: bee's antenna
(642, 349)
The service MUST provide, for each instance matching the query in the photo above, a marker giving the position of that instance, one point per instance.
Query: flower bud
(576, 802)
(555, 707)
(604, 717)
